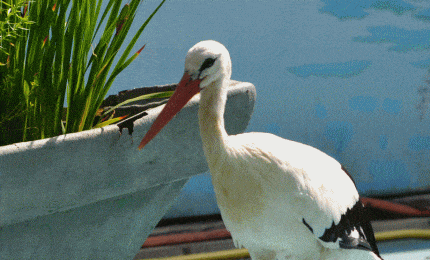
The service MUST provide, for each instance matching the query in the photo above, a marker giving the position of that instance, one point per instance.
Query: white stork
(280, 199)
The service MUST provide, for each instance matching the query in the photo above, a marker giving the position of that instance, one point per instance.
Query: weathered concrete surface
(94, 195)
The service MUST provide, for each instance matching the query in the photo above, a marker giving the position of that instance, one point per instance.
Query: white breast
(265, 193)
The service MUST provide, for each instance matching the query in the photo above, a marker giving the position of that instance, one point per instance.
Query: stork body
(280, 199)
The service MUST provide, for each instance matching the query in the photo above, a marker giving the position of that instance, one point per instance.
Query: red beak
(185, 90)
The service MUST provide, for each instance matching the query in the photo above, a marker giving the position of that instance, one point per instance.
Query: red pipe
(222, 233)
(189, 237)
(394, 208)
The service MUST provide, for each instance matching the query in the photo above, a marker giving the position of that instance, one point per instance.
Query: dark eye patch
(207, 63)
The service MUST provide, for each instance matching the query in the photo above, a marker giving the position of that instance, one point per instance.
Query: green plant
(12, 23)
(112, 120)
(56, 59)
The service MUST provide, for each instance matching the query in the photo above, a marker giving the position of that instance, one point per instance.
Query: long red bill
(185, 90)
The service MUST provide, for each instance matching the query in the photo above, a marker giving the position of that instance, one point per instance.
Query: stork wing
(326, 199)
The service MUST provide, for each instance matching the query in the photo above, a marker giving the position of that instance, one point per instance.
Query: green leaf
(165, 94)
(110, 121)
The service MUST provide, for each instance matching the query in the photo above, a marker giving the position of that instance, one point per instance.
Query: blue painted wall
(348, 77)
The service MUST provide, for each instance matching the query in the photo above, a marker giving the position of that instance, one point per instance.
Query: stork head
(208, 61)
(205, 63)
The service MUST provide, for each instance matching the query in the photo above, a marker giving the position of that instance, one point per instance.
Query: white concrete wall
(93, 194)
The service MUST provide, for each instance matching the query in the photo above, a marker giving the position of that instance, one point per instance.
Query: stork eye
(207, 63)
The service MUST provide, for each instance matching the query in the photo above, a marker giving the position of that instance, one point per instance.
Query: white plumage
(279, 199)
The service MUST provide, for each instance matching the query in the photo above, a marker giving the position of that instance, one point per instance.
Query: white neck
(211, 120)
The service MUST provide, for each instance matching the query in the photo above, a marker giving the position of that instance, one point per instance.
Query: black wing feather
(354, 219)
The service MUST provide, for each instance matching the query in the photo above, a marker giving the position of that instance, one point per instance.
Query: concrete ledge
(97, 186)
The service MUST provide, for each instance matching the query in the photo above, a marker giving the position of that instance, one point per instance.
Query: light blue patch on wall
(389, 175)
(404, 40)
(339, 133)
(336, 69)
(423, 64)
(392, 106)
(363, 103)
(396, 6)
(419, 143)
(383, 142)
(320, 111)
(424, 15)
(356, 8)
(345, 9)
